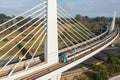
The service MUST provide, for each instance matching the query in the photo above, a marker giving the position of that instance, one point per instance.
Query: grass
(13, 43)
(11, 53)
(16, 49)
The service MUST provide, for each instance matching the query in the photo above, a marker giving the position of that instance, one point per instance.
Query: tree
(78, 17)
(101, 19)
(4, 18)
(101, 72)
(19, 18)
(85, 18)
(113, 60)
(117, 21)
(100, 76)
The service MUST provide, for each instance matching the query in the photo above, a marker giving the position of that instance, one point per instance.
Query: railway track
(45, 71)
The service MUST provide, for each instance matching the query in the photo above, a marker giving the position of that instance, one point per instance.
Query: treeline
(94, 24)
(96, 19)
(4, 18)
(78, 17)
(21, 21)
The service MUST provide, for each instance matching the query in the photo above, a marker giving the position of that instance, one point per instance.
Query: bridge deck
(59, 65)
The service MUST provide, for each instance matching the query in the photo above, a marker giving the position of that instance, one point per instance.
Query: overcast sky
(91, 8)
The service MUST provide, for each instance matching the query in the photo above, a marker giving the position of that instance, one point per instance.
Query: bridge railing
(85, 42)
(106, 39)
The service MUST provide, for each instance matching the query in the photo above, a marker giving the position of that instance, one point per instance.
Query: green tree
(101, 72)
(78, 17)
(113, 60)
(4, 18)
(85, 18)
(100, 76)
(101, 19)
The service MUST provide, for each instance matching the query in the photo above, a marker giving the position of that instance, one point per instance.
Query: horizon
(90, 8)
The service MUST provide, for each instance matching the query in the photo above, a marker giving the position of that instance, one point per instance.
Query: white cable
(68, 34)
(21, 33)
(77, 21)
(74, 19)
(63, 40)
(21, 40)
(22, 25)
(28, 50)
(22, 47)
(65, 49)
(78, 30)
(69, 29)
(30, 27)
(21, 21)
(76, 27)
(66, 37)
(24, 13)
(35, 52)
(91, 33)
(75, 31)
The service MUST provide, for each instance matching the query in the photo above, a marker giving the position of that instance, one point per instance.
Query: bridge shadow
(41, 57)
(23, 51)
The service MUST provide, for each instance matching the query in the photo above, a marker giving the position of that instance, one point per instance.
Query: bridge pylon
(51, 46)
(113, 22)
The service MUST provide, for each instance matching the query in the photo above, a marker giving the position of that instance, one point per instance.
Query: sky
(90, 8)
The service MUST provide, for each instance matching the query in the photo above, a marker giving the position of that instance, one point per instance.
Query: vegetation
(78, 17)
(81, 77)
(4, 18)
(103, 71)
(94, 24)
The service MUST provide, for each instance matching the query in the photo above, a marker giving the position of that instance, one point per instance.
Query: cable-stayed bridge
(47, 41)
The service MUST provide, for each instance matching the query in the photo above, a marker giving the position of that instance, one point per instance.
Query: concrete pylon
(113, 22)
(51, 48)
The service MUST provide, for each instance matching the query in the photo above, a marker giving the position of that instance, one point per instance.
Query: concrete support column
(51, 48)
